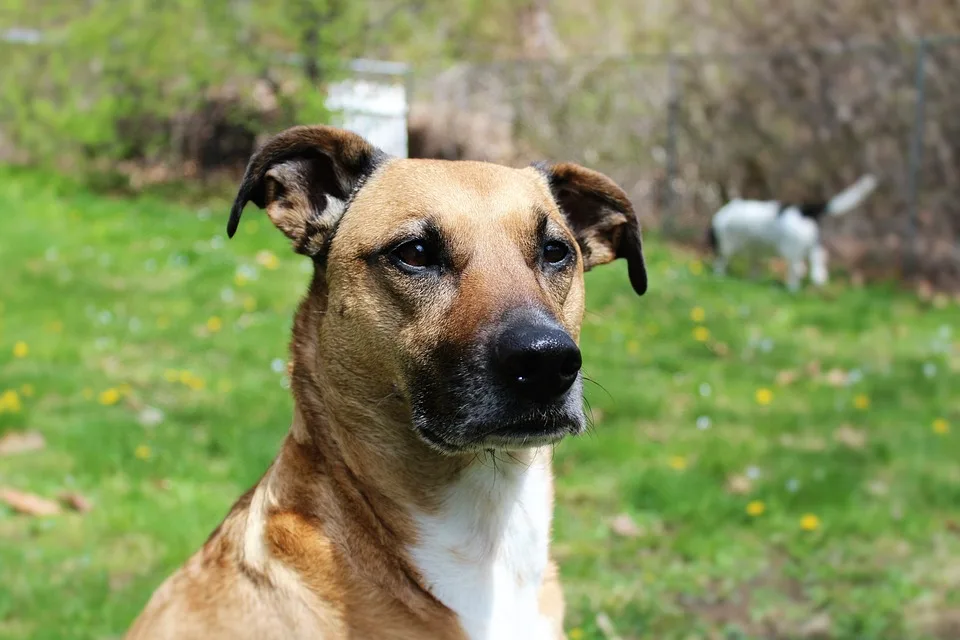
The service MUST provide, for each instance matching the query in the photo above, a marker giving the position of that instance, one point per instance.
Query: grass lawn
(762, 465)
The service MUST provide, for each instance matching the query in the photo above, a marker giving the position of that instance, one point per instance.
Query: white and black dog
(793, 230)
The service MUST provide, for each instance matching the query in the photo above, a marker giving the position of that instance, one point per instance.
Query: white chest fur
(485, 552)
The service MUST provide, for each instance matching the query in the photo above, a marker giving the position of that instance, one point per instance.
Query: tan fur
(316, 548)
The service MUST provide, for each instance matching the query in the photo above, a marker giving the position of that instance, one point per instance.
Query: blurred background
(762, 465)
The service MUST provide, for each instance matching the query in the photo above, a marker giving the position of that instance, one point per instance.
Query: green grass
(115, 294)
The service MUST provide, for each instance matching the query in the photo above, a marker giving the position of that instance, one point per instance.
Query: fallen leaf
(721, 349)
(785, 377)
(21, 442)
(605, 624)
(655, 434)
(739, 485)
(623, 525)
(819, 626)
(28, 503)
(837, 377)
(76, 501)
(853, 438)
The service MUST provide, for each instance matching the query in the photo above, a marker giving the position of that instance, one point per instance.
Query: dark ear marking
(601, 217)
(304, 177)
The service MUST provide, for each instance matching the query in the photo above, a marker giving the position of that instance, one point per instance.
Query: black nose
(537, 360)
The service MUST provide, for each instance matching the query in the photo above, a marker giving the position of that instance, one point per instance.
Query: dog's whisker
(587, 378)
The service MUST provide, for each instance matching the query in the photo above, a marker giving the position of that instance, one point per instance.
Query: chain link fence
(683, 133)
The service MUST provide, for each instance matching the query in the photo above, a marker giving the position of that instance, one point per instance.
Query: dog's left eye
(414, 254)
(555, 252)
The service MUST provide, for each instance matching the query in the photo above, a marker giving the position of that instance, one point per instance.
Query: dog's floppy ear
(304, 177)
(600, 216)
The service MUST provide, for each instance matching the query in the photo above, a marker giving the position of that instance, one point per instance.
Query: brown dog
(435, 360)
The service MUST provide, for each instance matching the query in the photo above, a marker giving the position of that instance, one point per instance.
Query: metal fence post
(667, 206)
(916, 150)
(409, 87)
(516, 98)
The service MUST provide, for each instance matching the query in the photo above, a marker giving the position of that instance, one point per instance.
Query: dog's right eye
(414, 255)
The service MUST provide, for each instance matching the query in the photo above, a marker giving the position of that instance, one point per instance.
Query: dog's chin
(528, 433)
(505, 433)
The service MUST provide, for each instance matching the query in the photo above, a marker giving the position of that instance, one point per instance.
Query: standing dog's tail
(852, 196)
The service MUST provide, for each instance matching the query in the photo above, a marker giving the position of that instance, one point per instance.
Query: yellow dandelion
(633, 347)
(249, 303)
(55, 327)
(240, 280)
(20, 349)
(701, 334)
(756, 508)
(763, 397)
(185, 376)
(10, 402)
(861, 401)
(27, 390)
(142, 452)
(163, 322)
(109, 397)
(697, 314)
(214, 324)
(197, 384)
(125, 389)
(224, 386)
(940, 427)
(267, 260)
(809, 522)
(696, 267)
(678, 463)
(171, 375)
(575, 634)
(87, 393)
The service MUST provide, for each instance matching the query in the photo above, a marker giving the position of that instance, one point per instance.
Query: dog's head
(456, 286)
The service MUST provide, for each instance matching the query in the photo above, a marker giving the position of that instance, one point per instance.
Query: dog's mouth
(535, 429)
(531, 433)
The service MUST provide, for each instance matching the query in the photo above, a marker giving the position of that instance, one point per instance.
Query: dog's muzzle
(517, 387)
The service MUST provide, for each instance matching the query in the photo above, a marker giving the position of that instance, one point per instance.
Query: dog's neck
(484, 552)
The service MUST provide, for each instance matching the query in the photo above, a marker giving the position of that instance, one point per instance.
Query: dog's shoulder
(229, 589)
(214, 596)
